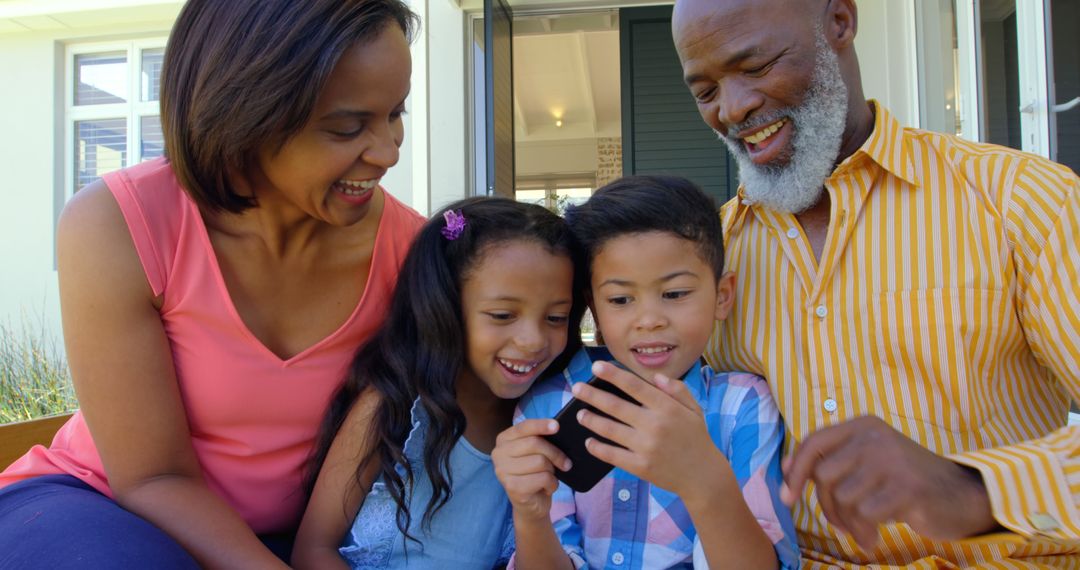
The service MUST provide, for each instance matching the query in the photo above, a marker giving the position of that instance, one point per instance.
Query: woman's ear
(725, 295)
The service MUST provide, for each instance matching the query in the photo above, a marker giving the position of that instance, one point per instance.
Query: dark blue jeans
(57, 521)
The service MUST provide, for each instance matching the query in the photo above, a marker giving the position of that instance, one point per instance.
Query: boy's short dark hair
(240, 75)
(647, 203)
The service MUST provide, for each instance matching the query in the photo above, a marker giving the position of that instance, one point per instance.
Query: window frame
(132, 111)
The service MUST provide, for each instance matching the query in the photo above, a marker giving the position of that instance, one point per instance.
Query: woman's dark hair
(420, 349)
(647, 203)
(239, 75)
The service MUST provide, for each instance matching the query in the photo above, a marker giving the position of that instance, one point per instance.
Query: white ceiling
(567, 67)
(46, 15)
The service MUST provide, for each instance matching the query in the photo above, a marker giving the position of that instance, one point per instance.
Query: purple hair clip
(455, 224)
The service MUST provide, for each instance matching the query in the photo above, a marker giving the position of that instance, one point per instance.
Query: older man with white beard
(912, 298)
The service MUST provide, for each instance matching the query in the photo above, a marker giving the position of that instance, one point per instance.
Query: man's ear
(725, 295)
(841, 24)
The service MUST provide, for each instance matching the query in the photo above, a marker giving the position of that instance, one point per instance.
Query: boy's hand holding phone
(663, 439)
(525, 465)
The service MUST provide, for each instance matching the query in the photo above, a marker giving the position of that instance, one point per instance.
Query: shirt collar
(888, 146)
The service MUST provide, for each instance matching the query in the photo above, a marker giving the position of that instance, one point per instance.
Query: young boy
(697, 463)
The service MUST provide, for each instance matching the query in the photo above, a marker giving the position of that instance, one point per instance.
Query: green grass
(34, 377)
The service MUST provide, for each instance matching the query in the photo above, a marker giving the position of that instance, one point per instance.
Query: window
(555, 192)
(111, 114)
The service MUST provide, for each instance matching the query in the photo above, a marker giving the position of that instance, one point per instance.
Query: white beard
(819, 128)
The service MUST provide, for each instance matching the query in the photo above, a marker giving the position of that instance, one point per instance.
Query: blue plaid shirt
(625, 522)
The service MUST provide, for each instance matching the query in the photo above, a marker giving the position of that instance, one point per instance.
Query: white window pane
(153, 143)
(151, 74)
(531, 196)
(101, 78)
(100, 147)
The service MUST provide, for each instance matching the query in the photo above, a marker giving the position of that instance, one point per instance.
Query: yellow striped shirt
(947, 302)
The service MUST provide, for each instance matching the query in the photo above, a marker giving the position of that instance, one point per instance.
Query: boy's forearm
(722, 519)
(538, 546)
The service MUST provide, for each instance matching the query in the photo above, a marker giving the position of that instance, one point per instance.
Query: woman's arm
(122, 368)
(337, 497)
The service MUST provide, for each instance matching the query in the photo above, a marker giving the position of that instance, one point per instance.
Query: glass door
(1063, 25)
(1004, 72)
(1048, 76)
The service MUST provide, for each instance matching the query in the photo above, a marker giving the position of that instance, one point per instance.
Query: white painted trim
(24, 8)
(1034, 96)
(133, 110)
(911, 46)
(972, 95)
(420, 113)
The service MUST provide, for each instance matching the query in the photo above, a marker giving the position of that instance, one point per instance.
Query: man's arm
(866, 473)
(1028, 485)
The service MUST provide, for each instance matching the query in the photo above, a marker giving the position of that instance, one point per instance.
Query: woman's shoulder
(402, 215)
(92, 223)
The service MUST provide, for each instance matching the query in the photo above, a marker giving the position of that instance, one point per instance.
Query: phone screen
(586, 470)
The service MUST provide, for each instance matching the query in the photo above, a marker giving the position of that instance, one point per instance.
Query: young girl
(488, 298)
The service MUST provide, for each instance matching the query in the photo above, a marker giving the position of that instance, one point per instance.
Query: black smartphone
(586, 470)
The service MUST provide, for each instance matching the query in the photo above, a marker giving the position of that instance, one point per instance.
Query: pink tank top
(253, 416)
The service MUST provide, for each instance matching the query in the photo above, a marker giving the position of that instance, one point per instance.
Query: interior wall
(553, 157)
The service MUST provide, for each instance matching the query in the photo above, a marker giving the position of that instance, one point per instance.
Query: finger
(635, 386)
(613, 454)
(527, 428)
(883, 505)
(851, 493)
(526, 465)
(531, 484)
(608, 403)
(832, 471)
(678, 391)
(516, 449)
(806, 455)
(878, 508)
(615, 431)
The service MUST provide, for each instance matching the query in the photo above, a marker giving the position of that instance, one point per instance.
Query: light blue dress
(473, 530)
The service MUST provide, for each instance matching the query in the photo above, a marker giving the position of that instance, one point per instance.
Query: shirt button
(792, 233)
(821, 311)
(624, 495)
(617, 558)
(830, 405)
(1043, 522)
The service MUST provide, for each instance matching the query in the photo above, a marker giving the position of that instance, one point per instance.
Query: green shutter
(662, 130)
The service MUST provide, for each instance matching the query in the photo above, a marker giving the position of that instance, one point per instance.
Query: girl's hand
(525, 465)
(665, 438)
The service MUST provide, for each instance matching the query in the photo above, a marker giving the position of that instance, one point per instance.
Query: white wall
(885, 43)
(432, 168)
(31, 152)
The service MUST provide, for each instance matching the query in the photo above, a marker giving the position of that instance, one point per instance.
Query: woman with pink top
(213, 299)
